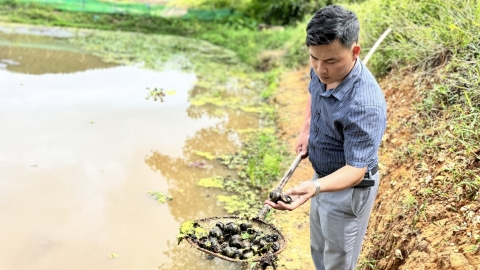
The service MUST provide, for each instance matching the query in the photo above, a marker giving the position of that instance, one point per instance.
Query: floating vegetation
(235, 205)
(191, 229)
(211, 182)
(160, 196)
(206, 155)
(113, 256)
(155, 94)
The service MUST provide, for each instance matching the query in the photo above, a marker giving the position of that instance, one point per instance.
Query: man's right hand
(299, 194)
(302, 145)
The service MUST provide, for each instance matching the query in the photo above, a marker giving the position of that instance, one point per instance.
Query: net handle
(266, 208)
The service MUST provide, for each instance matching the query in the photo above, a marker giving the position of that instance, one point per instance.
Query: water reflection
(43, 61)
(192, 259)
(39, 55)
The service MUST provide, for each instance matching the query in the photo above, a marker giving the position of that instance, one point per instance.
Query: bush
(283, 12)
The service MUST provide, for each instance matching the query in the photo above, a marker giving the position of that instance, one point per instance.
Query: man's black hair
(331, 23)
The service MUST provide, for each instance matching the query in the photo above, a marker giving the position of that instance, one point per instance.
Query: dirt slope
(401, 235)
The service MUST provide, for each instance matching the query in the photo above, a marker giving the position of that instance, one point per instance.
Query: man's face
(332, 62)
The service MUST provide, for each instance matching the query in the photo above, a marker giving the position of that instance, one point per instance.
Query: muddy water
(80, 147)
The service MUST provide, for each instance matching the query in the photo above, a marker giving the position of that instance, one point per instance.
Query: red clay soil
(395, 239)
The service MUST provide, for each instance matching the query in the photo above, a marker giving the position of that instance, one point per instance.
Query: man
(344, 123)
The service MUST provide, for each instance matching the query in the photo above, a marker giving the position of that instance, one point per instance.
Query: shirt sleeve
(363, 131)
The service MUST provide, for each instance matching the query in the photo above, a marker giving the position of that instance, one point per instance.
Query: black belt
(366, 182)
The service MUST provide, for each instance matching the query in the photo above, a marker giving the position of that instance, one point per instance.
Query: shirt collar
(342, 89)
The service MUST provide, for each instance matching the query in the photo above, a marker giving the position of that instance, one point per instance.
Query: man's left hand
(300, 194)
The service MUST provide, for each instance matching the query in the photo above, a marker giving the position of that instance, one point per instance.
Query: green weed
(365, 263)
(160, 197)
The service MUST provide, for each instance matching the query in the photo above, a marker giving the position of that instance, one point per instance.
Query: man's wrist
(317, 186)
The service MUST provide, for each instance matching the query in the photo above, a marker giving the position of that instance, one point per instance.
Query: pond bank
(290, 101)
(402, 234)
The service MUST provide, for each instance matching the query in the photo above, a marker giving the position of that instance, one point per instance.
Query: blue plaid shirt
(347, 122)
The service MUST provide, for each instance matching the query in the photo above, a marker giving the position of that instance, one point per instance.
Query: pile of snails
(238, 241)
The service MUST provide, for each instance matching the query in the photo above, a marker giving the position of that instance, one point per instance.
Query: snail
(237, 243)
(247, 255)
(245, 226)
(235, 237)
(228, 252)
(220, 225)
(269, 239)
(204, 242)
(213, 241)
(262, 243)
(232, 228)
(216, 232)
(256, 240)
(278, 195)
(238, 254)
(276, 246)
(274, 237)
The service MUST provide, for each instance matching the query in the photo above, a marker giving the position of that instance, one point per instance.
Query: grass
(258, 166)
(366, 264)
(98, 6)
(437, 40)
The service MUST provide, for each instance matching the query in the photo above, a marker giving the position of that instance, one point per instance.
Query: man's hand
(302, 145)
(300, 194)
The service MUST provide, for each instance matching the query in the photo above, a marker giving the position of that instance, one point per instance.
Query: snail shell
(228, 252)
(244, 226)
(276, 246)
(235, 237)
(204, 243)
(238, 254)
(247, 255)
(269, 239)
(217, 248)
(231, 228)
(213, 240)
(274, 237)
(237, 243)
(220, 225)
(224, 245)
(256, 240)
(262, 243)
(216, 232)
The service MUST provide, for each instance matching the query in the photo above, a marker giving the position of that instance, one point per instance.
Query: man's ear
(356, 50)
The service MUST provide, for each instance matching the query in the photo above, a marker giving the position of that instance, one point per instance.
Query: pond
(84, 146)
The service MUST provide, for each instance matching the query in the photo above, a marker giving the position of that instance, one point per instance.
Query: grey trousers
(338, 222)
